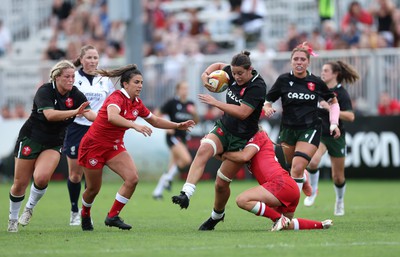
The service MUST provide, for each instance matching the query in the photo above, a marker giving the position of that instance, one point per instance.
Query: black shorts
(174, 139)
(73, 137)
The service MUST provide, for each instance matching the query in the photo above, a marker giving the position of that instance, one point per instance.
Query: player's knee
(338, 179)
(313, 165)
(241, 201)
(91, 192)
(205, 145)
(187, 161)
(75, 178)
(221, 186)
(132, 180)
(41, 182)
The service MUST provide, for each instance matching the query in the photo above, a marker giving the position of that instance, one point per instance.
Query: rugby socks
(340, 190)
(314, 179)
(189, 189)
(35, 195)
(160, 185)
(74, 190)
(299, 182)
(171, 173)
(86, 208)
(300, 224)
(261, 209)
(119, 203)
(217, 215)
(15, 206)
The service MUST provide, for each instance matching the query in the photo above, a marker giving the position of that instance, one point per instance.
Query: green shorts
(228, 141)
(28, 149)
(336, 147)
(292, 136)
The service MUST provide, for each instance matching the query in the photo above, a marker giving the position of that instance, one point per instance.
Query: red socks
(309, 224)
(85, 211)
(116, 208)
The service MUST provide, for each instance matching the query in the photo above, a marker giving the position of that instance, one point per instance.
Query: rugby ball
(219, 81)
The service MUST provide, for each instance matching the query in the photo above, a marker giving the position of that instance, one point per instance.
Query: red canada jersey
(103, 130)
(264, 165)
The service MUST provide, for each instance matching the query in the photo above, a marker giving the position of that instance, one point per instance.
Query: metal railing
(378, 70)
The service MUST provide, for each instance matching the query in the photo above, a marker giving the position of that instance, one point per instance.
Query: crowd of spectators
(17, 111)
(212, 28)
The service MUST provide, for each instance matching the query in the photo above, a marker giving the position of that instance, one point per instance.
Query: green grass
(371, 226)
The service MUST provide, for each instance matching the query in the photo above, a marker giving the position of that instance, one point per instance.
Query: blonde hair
(59, 68)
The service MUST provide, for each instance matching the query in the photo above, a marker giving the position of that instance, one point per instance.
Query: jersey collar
(126, 94)
(308, 73)
(255, 75)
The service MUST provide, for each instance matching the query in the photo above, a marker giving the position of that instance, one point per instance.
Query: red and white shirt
(103, 130)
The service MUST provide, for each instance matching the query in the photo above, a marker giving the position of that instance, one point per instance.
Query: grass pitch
(370, 227)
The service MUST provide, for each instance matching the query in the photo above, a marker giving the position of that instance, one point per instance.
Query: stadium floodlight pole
(132, 13)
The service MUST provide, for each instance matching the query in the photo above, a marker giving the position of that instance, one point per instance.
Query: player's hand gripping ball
(219, 81)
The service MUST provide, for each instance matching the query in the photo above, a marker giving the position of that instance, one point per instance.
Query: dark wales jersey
(299, 98)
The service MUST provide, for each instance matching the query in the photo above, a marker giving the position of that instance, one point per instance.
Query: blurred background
(174, 40)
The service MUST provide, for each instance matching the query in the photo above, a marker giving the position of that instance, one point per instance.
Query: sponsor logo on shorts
(26, 150)
(220, 131)
(93, 162)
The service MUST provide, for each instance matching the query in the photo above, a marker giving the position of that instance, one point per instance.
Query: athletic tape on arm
(334, 112)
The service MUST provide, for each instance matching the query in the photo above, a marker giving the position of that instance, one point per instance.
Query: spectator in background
(20, 112)
(53, 52)
(357, 17)
(383, 11)
(6, 112)
(60, 10)
(388, 105)
(316, 40)
(5, 39)
(235, 5)
(251, 19)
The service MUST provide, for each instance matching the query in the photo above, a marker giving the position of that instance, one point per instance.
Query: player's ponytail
(125, 73)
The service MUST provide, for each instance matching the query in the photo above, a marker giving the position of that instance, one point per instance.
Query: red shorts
(286, 190)
(94, 154)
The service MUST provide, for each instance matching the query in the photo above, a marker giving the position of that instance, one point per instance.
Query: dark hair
(346, 72)
(125, 72)
(242, 59)
(84, 49)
